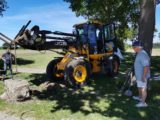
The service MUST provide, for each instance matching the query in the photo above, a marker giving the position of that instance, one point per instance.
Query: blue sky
(48, 14)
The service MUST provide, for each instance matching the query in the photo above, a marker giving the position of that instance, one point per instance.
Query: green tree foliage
(157, 2)
(5, 46)
(156, 45)
(124, 13)
(131, 16)
(3, 6)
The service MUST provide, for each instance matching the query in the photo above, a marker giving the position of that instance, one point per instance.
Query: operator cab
(109, 37)
(100, 38)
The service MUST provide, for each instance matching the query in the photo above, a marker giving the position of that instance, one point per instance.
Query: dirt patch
(5, 116)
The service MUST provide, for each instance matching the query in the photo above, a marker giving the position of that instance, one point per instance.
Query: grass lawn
(98, 101)
(33, 59)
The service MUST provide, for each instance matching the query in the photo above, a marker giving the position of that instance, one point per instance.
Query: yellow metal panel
(96, 61)
(98, 56)
(61, 65)
(95, 66)
(91, 21)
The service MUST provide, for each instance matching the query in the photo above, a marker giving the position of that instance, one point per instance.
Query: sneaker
(141, 104)
(136, 98)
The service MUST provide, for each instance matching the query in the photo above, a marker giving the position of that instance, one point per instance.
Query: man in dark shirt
(7, 58)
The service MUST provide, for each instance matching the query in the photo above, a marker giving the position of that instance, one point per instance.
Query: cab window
(109, 33)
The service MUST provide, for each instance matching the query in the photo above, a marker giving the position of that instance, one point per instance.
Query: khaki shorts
(141, 84)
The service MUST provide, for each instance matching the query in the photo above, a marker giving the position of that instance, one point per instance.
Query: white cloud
(50, 17)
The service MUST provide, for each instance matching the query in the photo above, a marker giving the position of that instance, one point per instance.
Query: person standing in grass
(7, 58)
(142, 72)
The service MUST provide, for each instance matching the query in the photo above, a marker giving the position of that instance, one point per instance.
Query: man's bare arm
(145, 71)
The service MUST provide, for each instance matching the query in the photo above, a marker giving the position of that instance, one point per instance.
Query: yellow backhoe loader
(89, 49)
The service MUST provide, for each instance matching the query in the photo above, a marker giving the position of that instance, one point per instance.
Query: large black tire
(77, 73)
(52, 69)
(114, 67)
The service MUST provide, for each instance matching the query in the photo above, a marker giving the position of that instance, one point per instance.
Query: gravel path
(5, 116)
(30, 70)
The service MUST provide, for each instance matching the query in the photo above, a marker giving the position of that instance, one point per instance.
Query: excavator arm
(37, 39)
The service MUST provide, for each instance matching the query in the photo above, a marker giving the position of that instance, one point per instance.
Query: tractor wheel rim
(80, 73)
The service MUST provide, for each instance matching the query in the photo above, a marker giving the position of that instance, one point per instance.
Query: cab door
(109, 37)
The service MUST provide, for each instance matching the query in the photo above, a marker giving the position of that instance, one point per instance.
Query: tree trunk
(147, 24)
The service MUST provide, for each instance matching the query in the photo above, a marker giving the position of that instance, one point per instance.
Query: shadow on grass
(101, 97)
(1, 64)
(37, 79)
(21, 61)
(155, 64)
